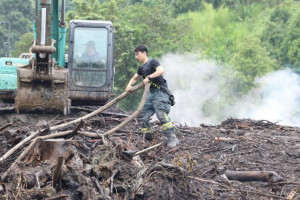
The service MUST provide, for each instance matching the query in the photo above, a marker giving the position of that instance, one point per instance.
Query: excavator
(52, 81)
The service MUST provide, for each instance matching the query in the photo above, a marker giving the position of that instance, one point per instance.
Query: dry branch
(99, 188)
(74, 132)
(132, 154)
(219, 139)
(265, 176)
(5, 126)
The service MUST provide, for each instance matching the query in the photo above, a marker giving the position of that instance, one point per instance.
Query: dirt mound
(239, 159)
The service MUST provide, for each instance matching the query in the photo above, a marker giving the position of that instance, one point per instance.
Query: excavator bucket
(43, 85)
(39, 92)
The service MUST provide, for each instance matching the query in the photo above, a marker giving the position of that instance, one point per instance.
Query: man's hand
(146, 80)
(132, 82)
(129, 88)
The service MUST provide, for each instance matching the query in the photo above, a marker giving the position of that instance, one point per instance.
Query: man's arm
(158, 72)
(132, 82)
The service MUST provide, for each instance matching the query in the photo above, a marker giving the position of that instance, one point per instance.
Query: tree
(22, 6)
(184, 6)
(20, 15)
(290, 49)
(23, 45)
(251, 61)
(275, 31)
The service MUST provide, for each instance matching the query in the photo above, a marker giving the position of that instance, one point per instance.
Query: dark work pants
(157, 102)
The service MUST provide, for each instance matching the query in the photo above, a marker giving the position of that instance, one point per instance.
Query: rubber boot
(172, 140)
(148, 134)
(149, 137)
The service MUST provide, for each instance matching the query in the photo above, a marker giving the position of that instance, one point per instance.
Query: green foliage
(281, 35)
(84, 10)
(69, 5)
(251, 61)
(21, 6)
(244, 9)
(215, 3)
(20, 15)
(183, 6)
(23, 45)
(216, 31)
(290, 50)
(275, 31)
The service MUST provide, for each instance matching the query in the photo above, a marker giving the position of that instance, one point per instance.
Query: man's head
(141, 53)
(90, 47)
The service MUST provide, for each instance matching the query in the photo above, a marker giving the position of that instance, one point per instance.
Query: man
(91, 57)
(157, 100)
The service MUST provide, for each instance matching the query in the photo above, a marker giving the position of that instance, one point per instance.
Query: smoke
(201, 92)
(279, 95)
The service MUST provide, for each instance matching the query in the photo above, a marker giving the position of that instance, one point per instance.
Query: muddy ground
(86, 167)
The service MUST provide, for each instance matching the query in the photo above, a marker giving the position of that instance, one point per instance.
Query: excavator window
(90, 56)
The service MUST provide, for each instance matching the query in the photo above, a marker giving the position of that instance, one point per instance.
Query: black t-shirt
(149, 68)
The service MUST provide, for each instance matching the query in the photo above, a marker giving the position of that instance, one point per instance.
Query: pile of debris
(239, 159)
(101, 155)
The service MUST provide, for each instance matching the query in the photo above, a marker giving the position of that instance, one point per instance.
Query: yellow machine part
(42, 93)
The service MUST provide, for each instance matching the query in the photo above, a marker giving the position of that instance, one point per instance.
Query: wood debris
(212, 162)
(104, 156)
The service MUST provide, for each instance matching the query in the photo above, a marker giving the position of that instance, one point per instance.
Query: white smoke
(279, 92)
(194, 84)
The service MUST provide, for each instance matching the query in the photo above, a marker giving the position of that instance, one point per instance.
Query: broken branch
(265, 176)
(74, 132)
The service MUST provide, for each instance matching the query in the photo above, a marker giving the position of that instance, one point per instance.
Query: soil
(84, 167)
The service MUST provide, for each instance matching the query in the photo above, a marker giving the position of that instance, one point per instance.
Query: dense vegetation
(251, 37)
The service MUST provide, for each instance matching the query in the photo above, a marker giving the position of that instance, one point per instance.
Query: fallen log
(33, 135)
(264, 176)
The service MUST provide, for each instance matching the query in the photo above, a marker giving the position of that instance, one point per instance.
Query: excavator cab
(90, 62)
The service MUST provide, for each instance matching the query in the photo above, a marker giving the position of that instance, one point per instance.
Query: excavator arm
(43, 84)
